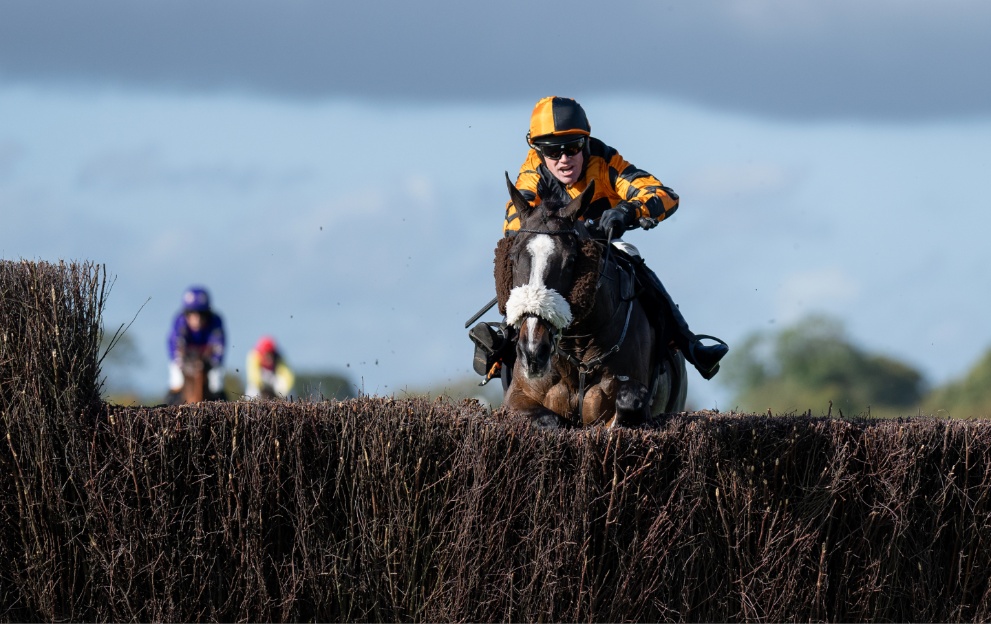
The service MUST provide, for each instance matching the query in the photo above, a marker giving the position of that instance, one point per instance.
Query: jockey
(268, 373)
(197, 327)
(562, 160)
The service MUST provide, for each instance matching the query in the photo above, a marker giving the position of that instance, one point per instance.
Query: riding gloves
(215, 380)
(615, 221)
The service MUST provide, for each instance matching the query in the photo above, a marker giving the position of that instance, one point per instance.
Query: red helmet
(265, 345)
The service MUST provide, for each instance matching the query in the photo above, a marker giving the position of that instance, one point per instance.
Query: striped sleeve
(641, 188)
(526, 182)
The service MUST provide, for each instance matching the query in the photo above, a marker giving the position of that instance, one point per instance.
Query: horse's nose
(536, 359)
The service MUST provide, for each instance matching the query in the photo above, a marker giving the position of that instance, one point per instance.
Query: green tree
(119, 355)
(968, 397)
(813, 365)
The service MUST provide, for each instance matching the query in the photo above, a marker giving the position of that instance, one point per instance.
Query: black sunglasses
(555, 152)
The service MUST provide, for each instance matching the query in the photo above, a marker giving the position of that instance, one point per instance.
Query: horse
(586, 351)
(195, 367)
(194, 381)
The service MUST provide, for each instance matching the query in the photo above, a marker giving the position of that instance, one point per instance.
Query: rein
(584, 368)
(549, 232)
(593, 365)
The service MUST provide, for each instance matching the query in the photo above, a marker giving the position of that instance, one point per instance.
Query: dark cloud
(879, 60)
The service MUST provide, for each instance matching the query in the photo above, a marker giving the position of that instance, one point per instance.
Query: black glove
(615, 221)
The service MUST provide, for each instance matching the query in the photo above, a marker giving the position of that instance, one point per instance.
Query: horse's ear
(576, 207)
(523, 207)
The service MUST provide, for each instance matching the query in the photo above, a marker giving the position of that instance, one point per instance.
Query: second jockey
(197, 328)
(269, 375)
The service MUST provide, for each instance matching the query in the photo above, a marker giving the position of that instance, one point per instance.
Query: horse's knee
(631, 404)
(547, 420)
(596, 406)
(540, 417)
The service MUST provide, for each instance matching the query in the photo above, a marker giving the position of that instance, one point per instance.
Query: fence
(413, 510)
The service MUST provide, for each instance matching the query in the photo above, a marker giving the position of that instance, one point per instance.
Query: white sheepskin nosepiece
(540, 301)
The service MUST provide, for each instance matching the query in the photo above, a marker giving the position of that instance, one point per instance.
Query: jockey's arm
(527, 182)
(176, 343)
(284, 378)
(615, 178)
(216, 342)
(652, 199)
(253, 371)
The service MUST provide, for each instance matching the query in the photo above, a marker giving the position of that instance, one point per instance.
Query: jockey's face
(567, 169)
(194, 320)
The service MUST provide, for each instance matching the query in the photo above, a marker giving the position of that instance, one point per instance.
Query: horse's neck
(194, 389)
(612, 297)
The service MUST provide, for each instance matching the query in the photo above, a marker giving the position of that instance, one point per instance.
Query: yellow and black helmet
(557, 120)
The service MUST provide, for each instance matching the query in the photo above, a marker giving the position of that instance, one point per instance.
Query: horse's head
(544, 257)
(195, 366)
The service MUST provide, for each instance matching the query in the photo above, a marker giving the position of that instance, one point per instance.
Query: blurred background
(333, 174)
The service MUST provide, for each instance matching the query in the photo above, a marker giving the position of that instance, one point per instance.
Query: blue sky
(827, 161)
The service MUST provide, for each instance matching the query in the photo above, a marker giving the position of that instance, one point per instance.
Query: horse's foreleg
(631, 403)
(520, 403)
(596, 408)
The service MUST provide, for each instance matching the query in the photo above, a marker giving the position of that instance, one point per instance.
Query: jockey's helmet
(196, 299)
(556, 120)
(265, 345)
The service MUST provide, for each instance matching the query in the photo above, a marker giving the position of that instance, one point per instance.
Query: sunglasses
(555, 152)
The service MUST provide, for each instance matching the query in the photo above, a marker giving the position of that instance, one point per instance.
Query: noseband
(538, 300)
(586, 368)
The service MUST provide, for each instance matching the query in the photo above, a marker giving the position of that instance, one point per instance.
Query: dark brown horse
(194, 377)
(586, 352)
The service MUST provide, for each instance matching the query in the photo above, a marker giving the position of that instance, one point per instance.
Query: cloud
(420, 190)
(828, 289)
(735, 181)
(144, 168)
(882, 60)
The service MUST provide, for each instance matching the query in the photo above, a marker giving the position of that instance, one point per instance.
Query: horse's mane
(582, 294)
(503, 272)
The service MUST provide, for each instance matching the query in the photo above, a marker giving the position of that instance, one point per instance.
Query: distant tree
(233, 386)
(120, 355)
(462, 388)
(317, 385)
(968, 397)
(813, 364)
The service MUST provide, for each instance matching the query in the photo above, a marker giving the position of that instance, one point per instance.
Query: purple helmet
(196, 299)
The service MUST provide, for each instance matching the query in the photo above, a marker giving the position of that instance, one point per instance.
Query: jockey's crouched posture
(562, 160)
(196, 328)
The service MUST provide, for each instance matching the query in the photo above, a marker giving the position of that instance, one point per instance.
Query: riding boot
(494, 344)
(705, 358)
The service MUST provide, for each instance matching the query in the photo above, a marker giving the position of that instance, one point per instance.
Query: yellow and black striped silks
(558, 116)
(615, 180)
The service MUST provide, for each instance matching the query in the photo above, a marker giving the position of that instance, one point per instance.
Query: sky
(334, 172)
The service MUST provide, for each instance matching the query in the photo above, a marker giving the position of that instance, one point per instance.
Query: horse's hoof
(546, 421)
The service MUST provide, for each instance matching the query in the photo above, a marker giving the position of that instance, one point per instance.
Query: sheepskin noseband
(539, 301)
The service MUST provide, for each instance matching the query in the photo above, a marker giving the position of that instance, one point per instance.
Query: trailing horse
(194, 371)
(195, 366)
(586, 352)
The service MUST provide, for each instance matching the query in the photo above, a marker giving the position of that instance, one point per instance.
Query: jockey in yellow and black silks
(559, 125)
(563, 159)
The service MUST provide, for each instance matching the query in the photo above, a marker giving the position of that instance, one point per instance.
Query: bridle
(586, 368)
